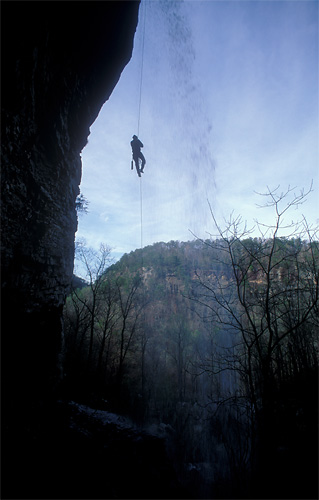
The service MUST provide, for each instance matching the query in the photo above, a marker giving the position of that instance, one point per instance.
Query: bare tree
(266, 309)
(103, 318)
(130, 306)
(109, 317)
(94, 266)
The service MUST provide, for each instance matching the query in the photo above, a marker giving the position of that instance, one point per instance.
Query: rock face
(60, 63)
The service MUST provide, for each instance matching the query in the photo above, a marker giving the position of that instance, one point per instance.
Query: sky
(224, 97)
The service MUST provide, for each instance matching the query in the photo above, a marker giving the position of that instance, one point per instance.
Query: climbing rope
(141, 205)
(142, 67)
(143, 3)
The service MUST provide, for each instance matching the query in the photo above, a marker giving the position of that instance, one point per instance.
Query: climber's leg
(143, 162)
(137, 166)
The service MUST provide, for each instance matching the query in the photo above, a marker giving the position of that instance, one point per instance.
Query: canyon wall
(60, 63)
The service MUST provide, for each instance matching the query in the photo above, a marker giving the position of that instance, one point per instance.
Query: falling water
(160, 92)
(203, 88)
(178, 127)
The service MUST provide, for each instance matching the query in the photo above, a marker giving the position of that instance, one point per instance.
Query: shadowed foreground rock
(92, 456)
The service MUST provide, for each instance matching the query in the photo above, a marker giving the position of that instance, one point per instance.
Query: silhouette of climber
(136, 145)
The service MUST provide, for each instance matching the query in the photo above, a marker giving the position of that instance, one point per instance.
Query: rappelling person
(136, 145)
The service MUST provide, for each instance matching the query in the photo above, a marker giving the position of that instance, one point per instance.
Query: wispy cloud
(239, 112)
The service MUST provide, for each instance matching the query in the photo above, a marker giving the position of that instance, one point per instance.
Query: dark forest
(213, 346)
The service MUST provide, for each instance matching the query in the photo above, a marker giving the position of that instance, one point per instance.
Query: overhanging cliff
(60, 63)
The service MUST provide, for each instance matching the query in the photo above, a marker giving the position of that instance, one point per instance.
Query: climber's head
(134, 136)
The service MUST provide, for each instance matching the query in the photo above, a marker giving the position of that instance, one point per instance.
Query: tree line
(215, 340)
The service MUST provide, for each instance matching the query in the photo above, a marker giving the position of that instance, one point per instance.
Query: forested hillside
(214, 345)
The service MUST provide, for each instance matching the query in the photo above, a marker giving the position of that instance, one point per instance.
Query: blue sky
(229, 106)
